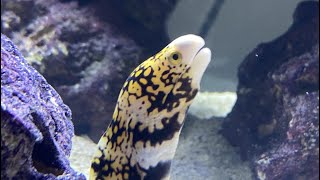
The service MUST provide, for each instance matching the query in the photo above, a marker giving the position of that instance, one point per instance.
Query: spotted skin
(142, 138)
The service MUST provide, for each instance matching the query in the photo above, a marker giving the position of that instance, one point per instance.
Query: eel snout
(188, 45)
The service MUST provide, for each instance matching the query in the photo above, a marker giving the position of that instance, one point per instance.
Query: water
(86, 52)
(240, 26)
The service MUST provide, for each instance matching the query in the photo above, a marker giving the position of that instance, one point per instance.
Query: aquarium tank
(159, 89)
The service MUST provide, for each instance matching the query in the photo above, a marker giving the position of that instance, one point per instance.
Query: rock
(143, 20)
(86, 51)
(212, 104)
(36, 127)
(80, 158)
(275, 121)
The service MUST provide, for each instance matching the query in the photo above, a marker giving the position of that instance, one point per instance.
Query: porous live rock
(86, 52)
(275, 121)
(143, 20)
(36, 127)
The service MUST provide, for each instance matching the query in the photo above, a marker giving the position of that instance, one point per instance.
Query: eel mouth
(199, 65)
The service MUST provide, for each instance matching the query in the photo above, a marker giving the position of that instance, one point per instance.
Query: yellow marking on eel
(142, 138)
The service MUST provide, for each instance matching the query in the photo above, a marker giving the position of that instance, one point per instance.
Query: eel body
(142, 138)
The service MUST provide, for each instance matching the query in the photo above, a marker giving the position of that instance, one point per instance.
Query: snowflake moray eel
(142, 138)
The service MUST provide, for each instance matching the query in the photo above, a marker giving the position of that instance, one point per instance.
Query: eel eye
(175, 58)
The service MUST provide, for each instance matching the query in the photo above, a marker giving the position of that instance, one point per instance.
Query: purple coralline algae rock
(275, 121)
(36, 127)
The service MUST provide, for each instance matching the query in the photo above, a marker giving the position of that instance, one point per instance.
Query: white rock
(83, 149)
(213, 104)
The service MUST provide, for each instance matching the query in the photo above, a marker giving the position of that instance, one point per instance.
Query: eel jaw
(188, 45)
(199, 65)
